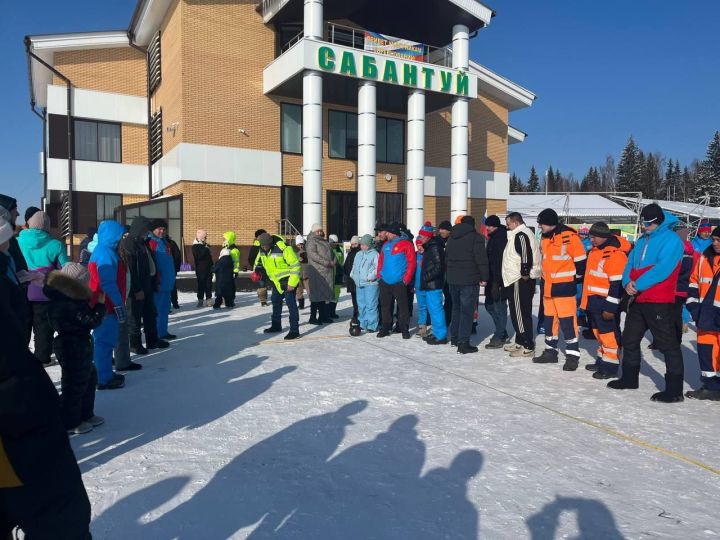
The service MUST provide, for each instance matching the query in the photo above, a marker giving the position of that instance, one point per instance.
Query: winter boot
(132, 366)
(548, 356)
(495, 344)
(432, 340)
(325, 313)
(422, 331)
(396, 329)
(169, 337)
(82, 427)
(673, 390)
(593, 367)
(628, 381)
(405, 333)
(314, 313)
(139, 349)
(384, 332)
(159, 344)
(453, 341)
(571, 363)
(332, 310)
(703, 394)
(115, 382)
(292, 335)
(199, 304)
(95, 421)
(301, 303)
(272, 330)
(604, 374)
(466, 348)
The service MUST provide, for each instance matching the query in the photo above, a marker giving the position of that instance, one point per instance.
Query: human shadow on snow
(294, 485)
(594, 519)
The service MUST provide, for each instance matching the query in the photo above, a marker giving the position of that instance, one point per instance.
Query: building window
(343, 134)
(89, 209)
(169, 209)
(154, 65)
(106, 205)
(292, 205)
(390, 142)
(156, 137)
(97, 141)
(291, 128)
(389, 207)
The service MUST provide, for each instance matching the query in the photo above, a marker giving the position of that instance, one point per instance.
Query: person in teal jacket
(165, 275)
(43, 253)
(364, 274)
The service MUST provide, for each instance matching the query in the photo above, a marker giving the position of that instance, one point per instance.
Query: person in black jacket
(177, 259)
(224, 280)
(9, 212)
(432, 282)
(84, 257)
(495, 301)
(41, 489)
(467, 271)
(73, 319)
(347, 268)
(443, 233)
(143, 283)
(203, 267)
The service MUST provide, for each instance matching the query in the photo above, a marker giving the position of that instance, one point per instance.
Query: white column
(312, 124)
(459, 141)
(367, 157)
(415, 183)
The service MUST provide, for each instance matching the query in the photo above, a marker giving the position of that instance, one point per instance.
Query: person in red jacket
(396, 268)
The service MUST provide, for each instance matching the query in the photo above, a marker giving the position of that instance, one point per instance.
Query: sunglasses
(647, 223)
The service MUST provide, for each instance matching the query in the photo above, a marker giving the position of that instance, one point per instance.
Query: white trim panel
(510, 93)
(515, 135)
(80, 41)
(98, 177)
(98, 105)
(207, 163)
(286, 66)
(476, 9)
(149, 20)
(481, 184)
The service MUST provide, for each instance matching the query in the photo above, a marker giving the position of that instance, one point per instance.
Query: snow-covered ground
(234, 434)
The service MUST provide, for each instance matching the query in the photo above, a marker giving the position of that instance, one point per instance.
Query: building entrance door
(342, 214)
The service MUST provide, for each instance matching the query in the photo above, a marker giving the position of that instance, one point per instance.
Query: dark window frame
(156, 136)
(154, 63)
(346, 114)
(387, 140)
(378, 117)
(96, 121)
(282, 137)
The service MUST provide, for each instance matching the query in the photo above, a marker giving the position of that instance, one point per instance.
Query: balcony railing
(354, 37)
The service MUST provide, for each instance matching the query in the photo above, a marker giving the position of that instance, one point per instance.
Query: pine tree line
(654, 175)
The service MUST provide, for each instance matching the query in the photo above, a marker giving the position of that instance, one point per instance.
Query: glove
(120, 314)
(255, 277)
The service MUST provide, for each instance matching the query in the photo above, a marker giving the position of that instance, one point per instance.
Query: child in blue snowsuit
(364, 274)
(165, 275)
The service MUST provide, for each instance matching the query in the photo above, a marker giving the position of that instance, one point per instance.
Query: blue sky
(602, 70)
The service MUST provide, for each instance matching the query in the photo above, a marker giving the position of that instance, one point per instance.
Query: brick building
(240, 114)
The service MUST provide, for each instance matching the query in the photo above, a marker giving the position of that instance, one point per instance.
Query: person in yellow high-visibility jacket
(283, 268)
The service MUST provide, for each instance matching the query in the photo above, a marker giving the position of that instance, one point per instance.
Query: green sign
(364, 65)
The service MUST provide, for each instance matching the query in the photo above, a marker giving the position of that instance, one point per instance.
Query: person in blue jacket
(165, 275)
(703, 240)
(650, 279)
(364, 274)
(108, 283)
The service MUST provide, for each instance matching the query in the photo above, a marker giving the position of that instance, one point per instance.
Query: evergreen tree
(608, 174)
(677, 177)
(628, 178)
(533, 185)
(550, 180)
(710, 167)
(651, 178)
(688, 189)
(516, 184)
(559, 184)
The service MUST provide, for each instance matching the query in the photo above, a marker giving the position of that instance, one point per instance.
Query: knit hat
(548, 217)
(716, 232)
(492, 221)
(315, 227)
(7, 231)
(393, 228)
(77, 271)
(380, 227)
(445, 226)
(333, 239)
(39, 221)
(426, 230)
(366, 240)
(584, 230)
(259, 232)
(355, 240)
(157, 223)
(299, 239)
(601, 230)
(468, 219)
(30, 212)
(705, 227)
(652, 213)
(8, 203)
(265, 239)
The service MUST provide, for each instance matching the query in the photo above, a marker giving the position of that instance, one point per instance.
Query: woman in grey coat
(321, 267)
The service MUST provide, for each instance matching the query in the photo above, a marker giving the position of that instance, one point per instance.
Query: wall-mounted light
(349, 174)
(243, 131)
(172, 128)
(388, 177)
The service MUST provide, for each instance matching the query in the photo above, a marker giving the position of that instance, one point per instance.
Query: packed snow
(231, 433)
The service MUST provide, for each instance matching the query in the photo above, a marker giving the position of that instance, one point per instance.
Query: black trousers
(465, 302)
(204, 285)
(78, 380)
(660, 320)
(399, 293)
(679, 305)
(43, 332)
(356, 310)
(447, 306)
(520, 296)
(142, 316)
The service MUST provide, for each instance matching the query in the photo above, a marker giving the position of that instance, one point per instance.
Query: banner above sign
(379, 67)
(393, 46)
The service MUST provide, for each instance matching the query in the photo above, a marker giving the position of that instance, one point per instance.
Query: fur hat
(315, 227)
(333, 239)
(468, 219)
(77, 271)
(39, 220)
(493, 221)
(601, 230)
(299, 239)
(157, 223)
(7, 231)
(8, 203)
(68, 285)
(426, 230)
(355, 240)
(548, 217)
(366, 240)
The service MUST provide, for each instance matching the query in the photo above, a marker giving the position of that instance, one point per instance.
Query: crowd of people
(93, 313)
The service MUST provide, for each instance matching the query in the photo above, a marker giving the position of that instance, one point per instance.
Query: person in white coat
(520, 269)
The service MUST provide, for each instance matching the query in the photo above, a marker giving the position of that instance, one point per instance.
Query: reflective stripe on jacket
(602, 287)
(564, 261)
